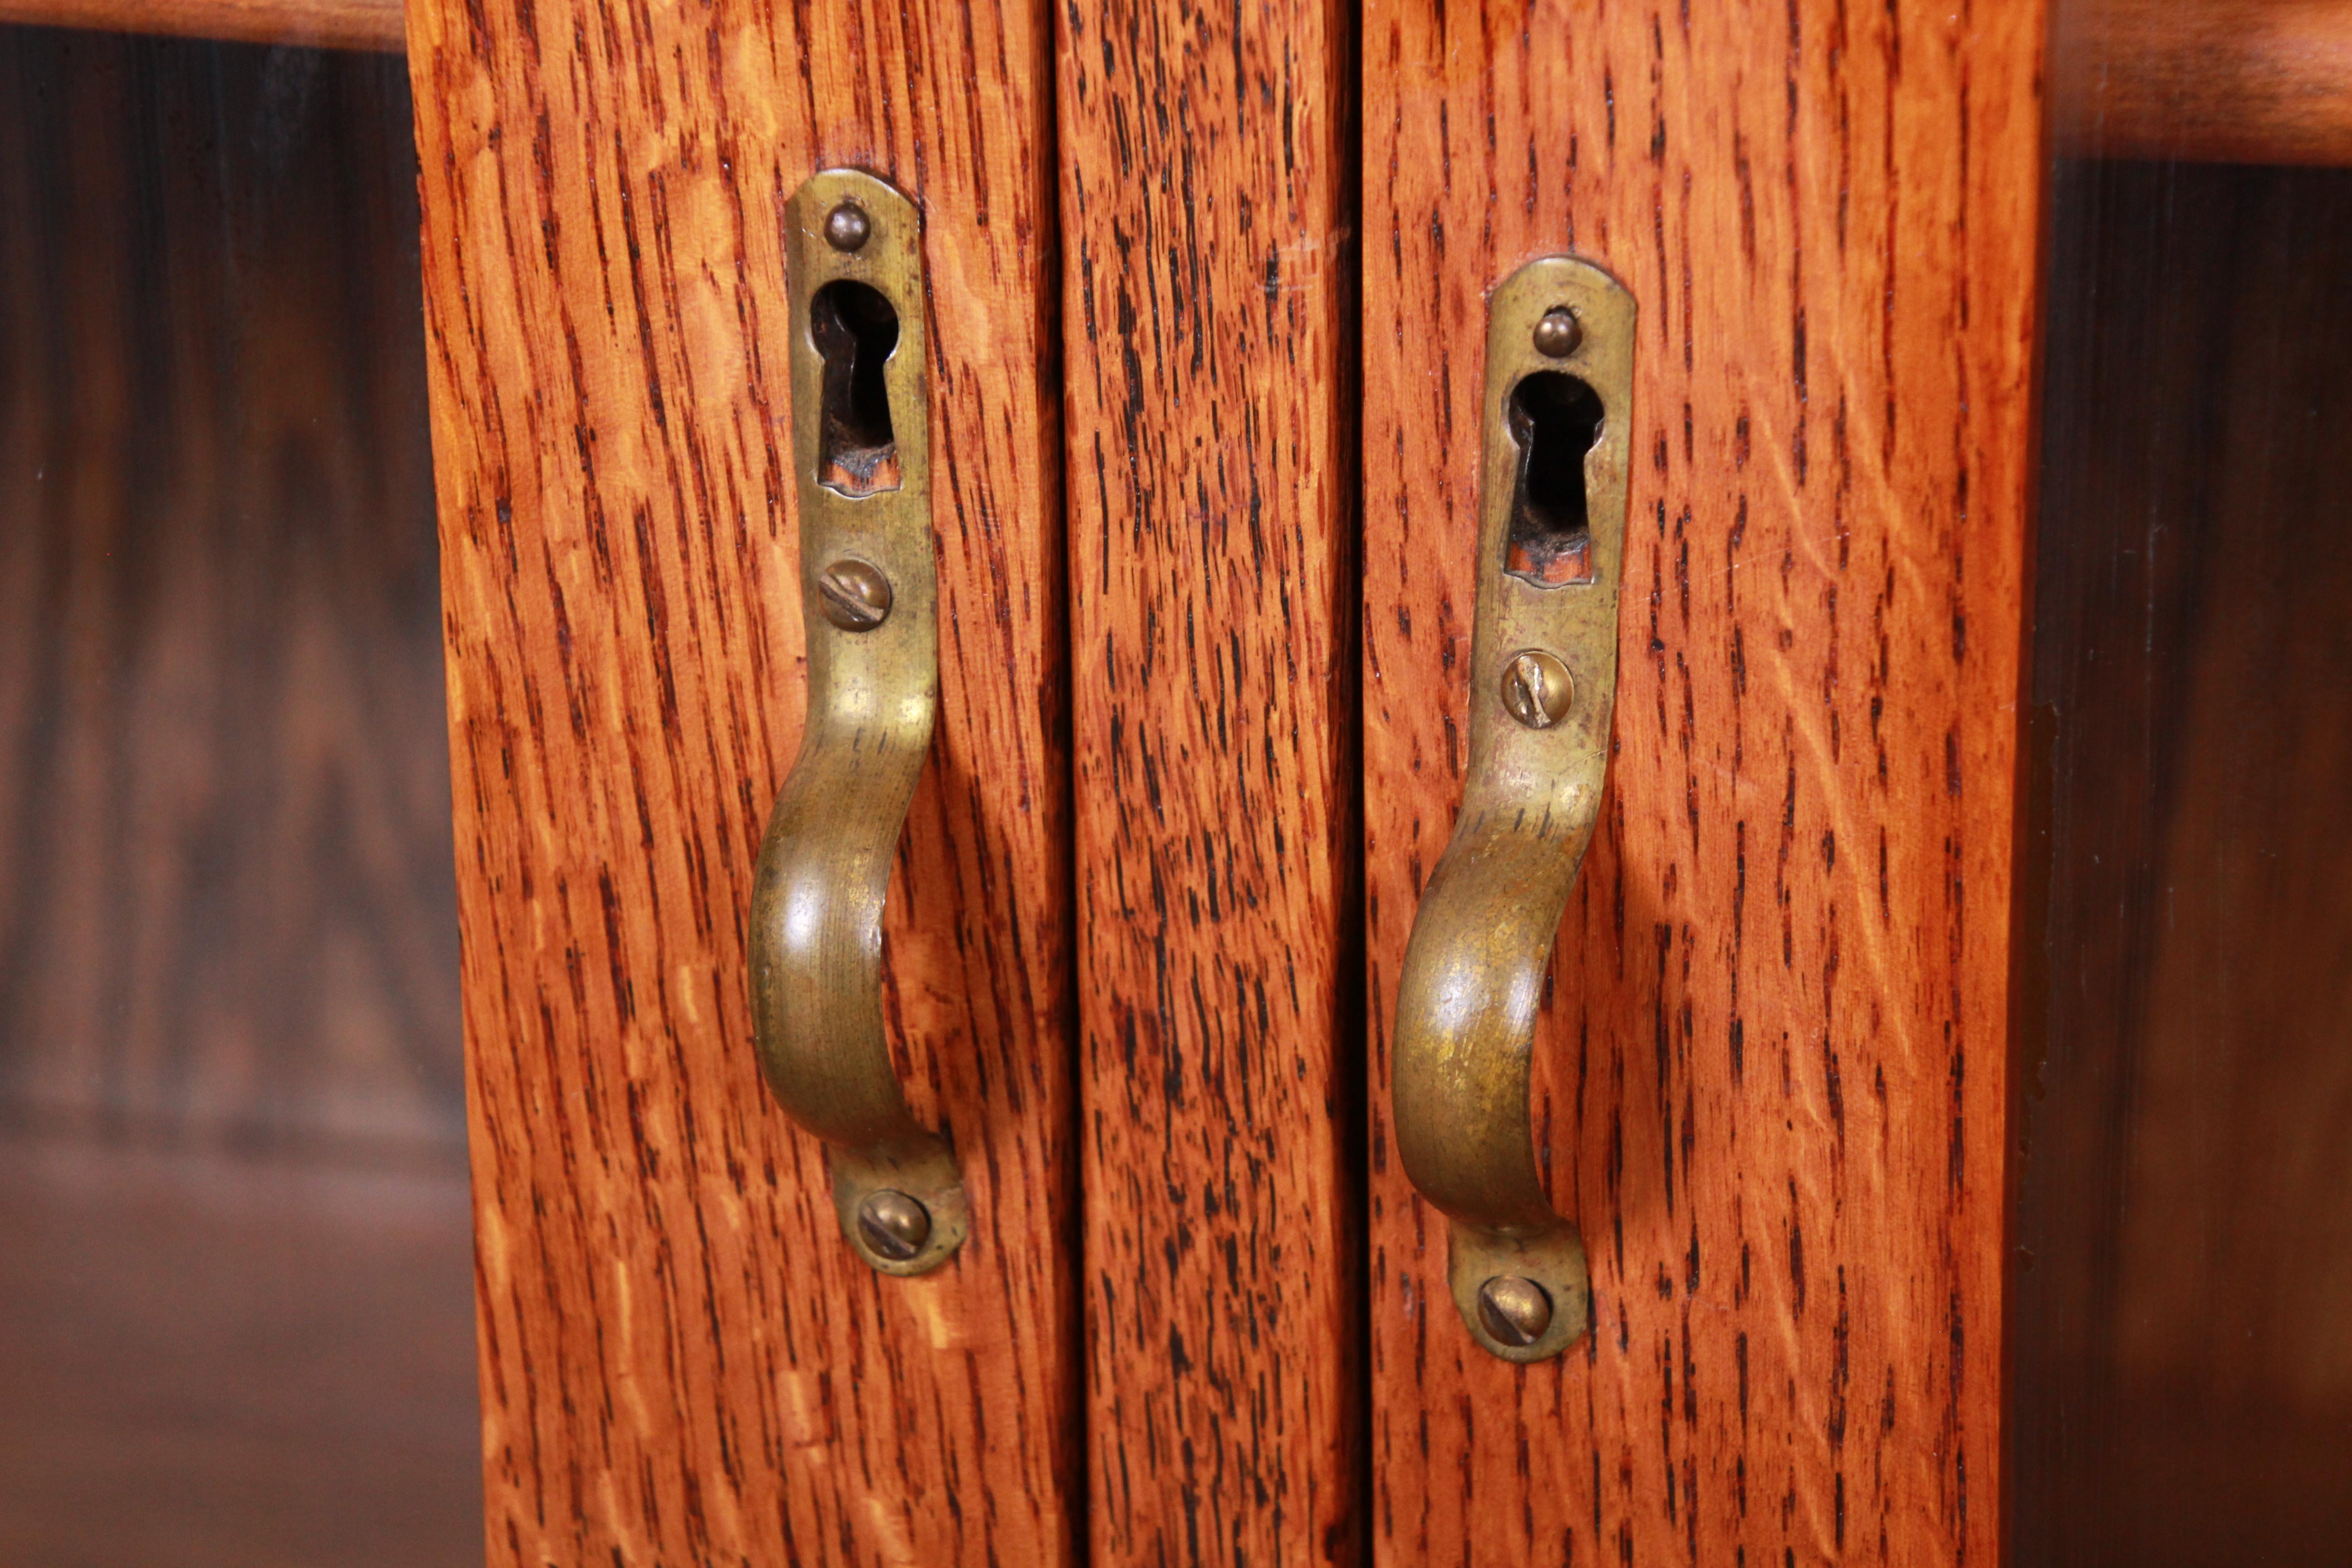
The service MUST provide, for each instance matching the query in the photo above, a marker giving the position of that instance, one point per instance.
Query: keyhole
(856, 331)
(1555, 419)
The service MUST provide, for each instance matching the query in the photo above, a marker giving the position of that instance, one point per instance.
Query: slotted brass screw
(894, 1225)
(1515, 1311)
(1537, 688)
(856, 596)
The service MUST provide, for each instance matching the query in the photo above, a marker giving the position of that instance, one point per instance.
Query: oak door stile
(1772, 1065)
(682, 1361)
(1207, 303)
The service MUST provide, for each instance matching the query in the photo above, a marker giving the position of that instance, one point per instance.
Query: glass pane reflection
(235, 1282)
(2183, 1280)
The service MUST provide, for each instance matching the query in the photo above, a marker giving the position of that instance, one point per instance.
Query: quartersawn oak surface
(1771, 1076)
(682, 1362)
(1206, 304)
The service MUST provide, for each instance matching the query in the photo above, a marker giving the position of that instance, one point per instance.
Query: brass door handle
(861, 448)
(1557, 425)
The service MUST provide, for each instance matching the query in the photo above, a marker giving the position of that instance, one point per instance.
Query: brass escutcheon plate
(1557, 424)
(870, 598)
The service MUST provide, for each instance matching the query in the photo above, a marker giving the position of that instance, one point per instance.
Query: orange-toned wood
(682, 1362)
(2228, 82)
(1206, 309)
(316, 23)
(1772, 1078)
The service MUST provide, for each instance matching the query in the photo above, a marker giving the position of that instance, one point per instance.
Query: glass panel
(235, 1279)
(2183, 1280)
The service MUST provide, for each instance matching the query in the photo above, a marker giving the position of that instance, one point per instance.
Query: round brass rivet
(856, 596)
(894, 1225)
(1514, 1311)
(1558, 333)
(1537, 688)
(847, 226)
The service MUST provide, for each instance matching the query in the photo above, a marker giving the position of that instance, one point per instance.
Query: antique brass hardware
(1557, 422)
(869, 592)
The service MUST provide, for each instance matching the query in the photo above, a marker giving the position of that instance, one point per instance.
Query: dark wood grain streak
(1206, 307)
(227, 910)
(682, 1361)
(1771, 1080)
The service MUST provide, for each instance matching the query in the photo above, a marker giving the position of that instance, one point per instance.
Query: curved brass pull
(1558, 419)
(861, 445)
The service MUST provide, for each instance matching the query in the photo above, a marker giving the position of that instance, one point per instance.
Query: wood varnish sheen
(1771, 1077)
(682, 1361)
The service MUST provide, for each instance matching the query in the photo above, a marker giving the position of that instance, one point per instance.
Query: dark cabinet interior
(236, 1311)
(2182, 1277)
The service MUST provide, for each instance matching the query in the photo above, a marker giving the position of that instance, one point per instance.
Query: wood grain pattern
(373, 25)
(682, 1361)
(226, 907)
(2251, 81)
(1771, 1082)
(1205, 310)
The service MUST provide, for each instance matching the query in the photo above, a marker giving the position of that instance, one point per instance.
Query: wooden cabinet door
(1195, 771)
(682, 1362)
(1770, 1073)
